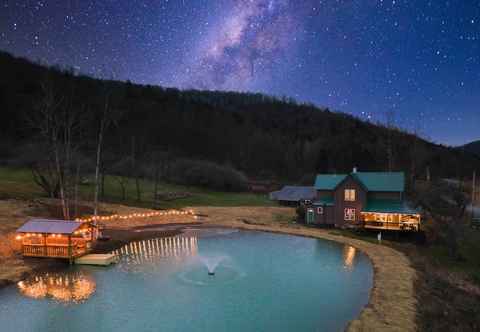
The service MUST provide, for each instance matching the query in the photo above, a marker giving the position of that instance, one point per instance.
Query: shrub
(444, 205)
(207, 174)
(301, 213)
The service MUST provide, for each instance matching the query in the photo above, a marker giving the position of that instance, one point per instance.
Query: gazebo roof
(49, 226)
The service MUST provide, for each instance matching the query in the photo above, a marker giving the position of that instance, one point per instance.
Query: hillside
(472, 147)
(264, 137)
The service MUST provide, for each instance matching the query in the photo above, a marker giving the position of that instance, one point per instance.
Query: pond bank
(392, 305)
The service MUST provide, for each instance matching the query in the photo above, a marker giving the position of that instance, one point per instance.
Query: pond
(261, 282)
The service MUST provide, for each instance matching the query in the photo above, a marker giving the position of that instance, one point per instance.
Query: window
(350, 214)
(319, 210)
(350, 195)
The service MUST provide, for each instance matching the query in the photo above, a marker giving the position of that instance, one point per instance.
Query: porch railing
(52, 251)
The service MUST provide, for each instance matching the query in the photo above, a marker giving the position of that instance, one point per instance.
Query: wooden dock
(97, 259)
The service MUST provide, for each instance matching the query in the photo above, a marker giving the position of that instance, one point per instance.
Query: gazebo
(55, 238)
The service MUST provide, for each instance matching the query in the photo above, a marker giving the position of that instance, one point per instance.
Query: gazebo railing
(52, 251)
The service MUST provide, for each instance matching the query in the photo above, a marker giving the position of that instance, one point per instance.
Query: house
(55, 238)
(372, 200)
(293, 195)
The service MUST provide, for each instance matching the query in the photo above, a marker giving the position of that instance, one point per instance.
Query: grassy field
(18, 183)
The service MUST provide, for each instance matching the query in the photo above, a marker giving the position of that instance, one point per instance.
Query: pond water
(262, 282)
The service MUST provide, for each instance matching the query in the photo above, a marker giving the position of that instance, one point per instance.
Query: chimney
(354, 169)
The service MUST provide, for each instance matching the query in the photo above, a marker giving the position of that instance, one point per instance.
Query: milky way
(241, 47)
(418, 60)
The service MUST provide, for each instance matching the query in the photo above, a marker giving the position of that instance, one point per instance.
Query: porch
(391, 221)
(390, 215)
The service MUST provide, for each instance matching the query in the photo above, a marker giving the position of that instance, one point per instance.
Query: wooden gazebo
(55, 238)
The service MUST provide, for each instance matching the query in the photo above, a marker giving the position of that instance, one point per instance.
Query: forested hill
(259, 135)
(472, 147)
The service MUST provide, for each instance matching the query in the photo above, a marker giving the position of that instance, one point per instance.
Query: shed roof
(372, 181)
(49, 226)
(293, 193)
(389, 206)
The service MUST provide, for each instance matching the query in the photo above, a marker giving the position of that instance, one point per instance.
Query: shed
(293, 194)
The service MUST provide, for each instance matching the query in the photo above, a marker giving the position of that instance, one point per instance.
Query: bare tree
(158, 164)
(418, 153)
(134, 169)
(42, 168)
(104, 124)
(120, 171)
(109, 115)
(57, 121)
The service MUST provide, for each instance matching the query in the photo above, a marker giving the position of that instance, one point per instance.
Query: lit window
(350, 214)
(320, 210)
(350, 195)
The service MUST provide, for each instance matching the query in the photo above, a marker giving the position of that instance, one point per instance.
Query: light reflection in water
(144, 251)
(61, 286)
(349, 253)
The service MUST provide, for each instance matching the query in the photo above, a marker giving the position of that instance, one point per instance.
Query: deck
(97, 259)
(53, 251)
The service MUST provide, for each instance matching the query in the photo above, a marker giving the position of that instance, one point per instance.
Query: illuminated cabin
(55, 238)
(371, 200)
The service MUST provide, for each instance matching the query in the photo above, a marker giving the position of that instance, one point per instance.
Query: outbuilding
(293, 195)
(55, 238)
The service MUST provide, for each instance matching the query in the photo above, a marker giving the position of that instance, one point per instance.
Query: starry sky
(415, 63)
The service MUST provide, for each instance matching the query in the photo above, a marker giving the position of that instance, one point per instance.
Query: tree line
(63, 125)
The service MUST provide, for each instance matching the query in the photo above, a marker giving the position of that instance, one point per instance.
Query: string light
(139, 215)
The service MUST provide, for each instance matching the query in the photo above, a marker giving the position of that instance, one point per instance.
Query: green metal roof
(328, 181)
(382, 181)
(389, 206)
(324, 201)
(372, 181)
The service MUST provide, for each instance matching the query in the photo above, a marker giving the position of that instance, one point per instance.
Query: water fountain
(211, 263)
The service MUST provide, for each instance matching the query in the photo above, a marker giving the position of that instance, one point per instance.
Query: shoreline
(391, 305)
(380, 313)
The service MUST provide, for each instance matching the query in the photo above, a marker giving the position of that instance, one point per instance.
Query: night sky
(418, 60)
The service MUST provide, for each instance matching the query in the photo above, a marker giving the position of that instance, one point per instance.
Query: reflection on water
(143, 251)
(264, 275)
(61, 286)
(349, 253)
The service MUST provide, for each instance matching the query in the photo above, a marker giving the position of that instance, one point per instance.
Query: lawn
(18, 183)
